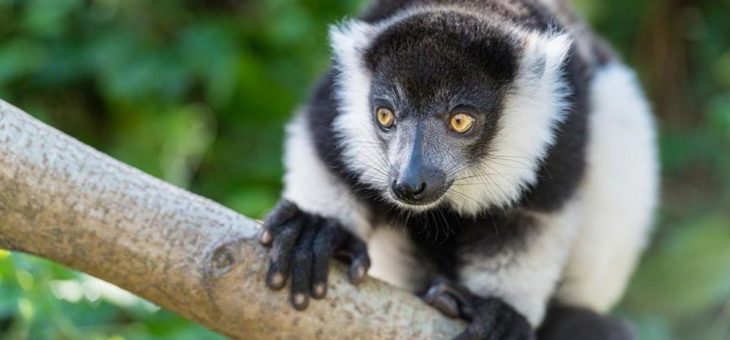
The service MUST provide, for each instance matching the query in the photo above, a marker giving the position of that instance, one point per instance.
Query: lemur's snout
(419, 186)
(409, 191)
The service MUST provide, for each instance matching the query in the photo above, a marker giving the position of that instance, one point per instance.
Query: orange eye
(462, 122)
(386, 118)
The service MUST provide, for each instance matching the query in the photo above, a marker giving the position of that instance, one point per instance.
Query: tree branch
(64, 201)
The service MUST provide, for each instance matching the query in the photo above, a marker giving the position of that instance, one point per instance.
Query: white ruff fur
(313, 188)
(532, 109)
(354, 124)
(620, 193)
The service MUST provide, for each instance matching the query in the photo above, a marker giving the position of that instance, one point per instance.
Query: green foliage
(42, 300)
(196, 92)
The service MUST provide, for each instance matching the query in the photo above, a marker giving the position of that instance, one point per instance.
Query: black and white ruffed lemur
(492, 156)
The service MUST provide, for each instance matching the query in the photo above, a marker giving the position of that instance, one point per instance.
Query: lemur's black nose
(409, 191)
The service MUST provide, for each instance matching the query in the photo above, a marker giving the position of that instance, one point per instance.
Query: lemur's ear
(544, 54)
(349, 41)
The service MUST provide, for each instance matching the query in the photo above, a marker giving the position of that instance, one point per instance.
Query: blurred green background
(196, 92)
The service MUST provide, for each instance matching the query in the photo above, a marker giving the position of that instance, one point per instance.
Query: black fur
(574, 323)
(527, 13)
(471, 70)
(563, 169)
(441, 61)
(464, 55)
(445, 237)
(492, 53)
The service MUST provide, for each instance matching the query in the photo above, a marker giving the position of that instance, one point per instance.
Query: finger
(302, 265)
(360, 260)
(446, 297)
(465, 300)
(505, 322)
(328, 239)
(446, 304)
(282, 212)
(281, 252)
(494, 320)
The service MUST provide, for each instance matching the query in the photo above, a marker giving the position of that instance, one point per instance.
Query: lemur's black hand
(301, 247)
(489, 318)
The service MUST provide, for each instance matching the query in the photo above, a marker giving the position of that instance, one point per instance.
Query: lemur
(492, 156)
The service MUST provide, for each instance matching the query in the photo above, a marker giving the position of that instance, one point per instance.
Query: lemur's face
(435, 98)
(441, 108)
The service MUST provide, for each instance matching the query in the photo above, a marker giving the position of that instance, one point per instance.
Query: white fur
(354, 123)
(393, 258)
(526, 277)
(525, 130)
(533, 108)
(620, 192)
(592, 245)
(593, 242)
(314, 189)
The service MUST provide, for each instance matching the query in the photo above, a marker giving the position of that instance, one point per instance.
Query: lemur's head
(447, 107)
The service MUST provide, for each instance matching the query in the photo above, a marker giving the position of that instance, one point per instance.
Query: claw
(357, 274)
(275, 280)
(300, 301)
(319, 291)
(265, 237)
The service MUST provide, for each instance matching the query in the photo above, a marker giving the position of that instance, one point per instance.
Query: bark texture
(64, 201)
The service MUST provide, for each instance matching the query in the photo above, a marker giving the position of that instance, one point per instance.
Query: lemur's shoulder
(319, 115)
